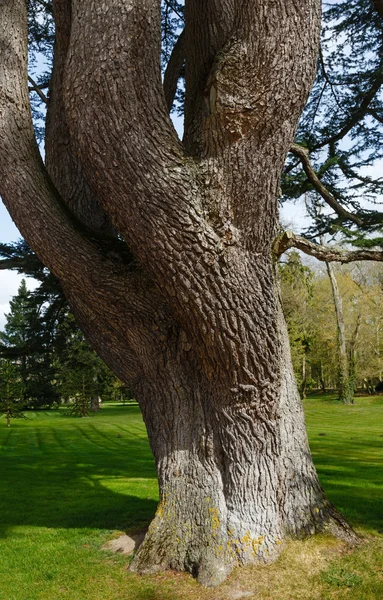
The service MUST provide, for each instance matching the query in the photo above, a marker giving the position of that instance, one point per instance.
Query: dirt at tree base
(125, 544)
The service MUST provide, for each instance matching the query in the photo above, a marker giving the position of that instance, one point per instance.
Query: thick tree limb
(173, 70)
(183, 217)
(304, 157)
(288, 240)
(63, 163)
(99, 287)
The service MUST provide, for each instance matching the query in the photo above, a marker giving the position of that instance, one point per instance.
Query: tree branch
(42, 86)
(38, 90)
(176, 12)
(62, 162)
(328, 80)
(303, 154)
(173, 70)
(357, 114)
(288, 240)
(12, 263)
(111, 299)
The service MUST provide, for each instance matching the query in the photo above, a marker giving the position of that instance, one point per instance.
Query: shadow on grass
(356, 491)
(94, 474)
(99, 473)
(48, 497)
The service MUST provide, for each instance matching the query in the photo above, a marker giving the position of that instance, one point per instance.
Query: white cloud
(9, 284)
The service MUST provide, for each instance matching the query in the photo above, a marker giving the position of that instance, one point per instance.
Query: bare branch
(173, 70)
(43, 86)
(172, 9)
(303, 155)
(38, 90)
(328, 80)
(288, 240)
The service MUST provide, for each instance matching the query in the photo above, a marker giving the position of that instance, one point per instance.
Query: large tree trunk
(184, 304)
(235, 473)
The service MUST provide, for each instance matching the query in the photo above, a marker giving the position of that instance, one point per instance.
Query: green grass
(349, 457)
(67, 485)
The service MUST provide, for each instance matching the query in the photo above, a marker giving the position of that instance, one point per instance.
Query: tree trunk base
(209, 553)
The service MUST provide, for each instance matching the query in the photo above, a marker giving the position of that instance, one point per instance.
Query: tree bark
(235, 473)
(184, 303)
(304, 380)
(353, 355)
(346, 390)
(321, 378)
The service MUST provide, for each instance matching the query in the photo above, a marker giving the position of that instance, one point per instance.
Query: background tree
(44, 343)
(12, 402)
(27, 342)
(345, 364)
(360, 289)
(340, 134)
(296, 280)
(83, 378)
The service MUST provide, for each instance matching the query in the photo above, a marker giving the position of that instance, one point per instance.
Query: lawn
(67, 485)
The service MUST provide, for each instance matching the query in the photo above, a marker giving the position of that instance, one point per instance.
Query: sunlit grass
(347, 446)
(67, 485)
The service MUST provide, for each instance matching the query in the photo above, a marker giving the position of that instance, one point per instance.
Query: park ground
(68, 485)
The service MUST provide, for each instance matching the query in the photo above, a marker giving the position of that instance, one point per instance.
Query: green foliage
(12, 402)
(342, 123)
(296, 282)
(26, 341)
(309, 310)
(82, 376)
(42, 340)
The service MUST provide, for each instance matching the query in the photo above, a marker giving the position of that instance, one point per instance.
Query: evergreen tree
(12, 402)
(193, 321)
(83, 378)
(26, 342)
(340, 136)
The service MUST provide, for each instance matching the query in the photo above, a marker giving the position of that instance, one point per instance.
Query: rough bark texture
(189, 316)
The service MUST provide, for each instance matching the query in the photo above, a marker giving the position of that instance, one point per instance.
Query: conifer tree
(26, 342)
(82, 376)
(12, 402)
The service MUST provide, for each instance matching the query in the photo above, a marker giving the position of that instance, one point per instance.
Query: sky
(9, 280)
